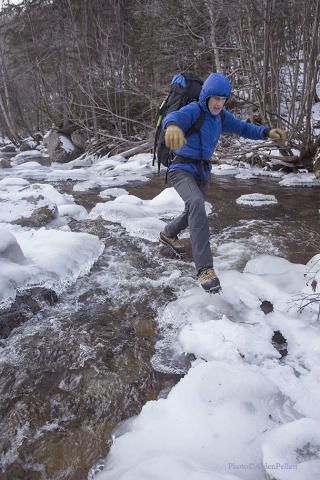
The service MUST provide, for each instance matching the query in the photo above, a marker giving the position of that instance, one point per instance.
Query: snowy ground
(241, 411)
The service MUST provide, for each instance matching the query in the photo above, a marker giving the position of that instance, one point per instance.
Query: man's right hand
(279, 135)
(174, 137)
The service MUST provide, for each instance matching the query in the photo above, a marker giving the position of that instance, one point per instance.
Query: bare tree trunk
(312, 72)
(63, 63)
(213, 12)
(5, 105)
(12, 132)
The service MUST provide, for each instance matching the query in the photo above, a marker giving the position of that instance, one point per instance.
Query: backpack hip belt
(197, 163)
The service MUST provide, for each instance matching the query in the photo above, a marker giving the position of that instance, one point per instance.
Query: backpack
(185, 88)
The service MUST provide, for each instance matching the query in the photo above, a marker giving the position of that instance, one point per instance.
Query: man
(189, 171)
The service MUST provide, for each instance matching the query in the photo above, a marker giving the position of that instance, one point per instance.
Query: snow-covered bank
(235, 410)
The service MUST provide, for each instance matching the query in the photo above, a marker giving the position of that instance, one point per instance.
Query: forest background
(104, 66)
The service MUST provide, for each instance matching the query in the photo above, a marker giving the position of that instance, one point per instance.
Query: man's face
(215, 104)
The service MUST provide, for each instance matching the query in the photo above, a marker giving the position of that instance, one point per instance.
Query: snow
(51, 256)
(139, 217)
(66, 144)
(23, 157)
(256, 199)
(15, 205)
(46, 258)
(295, 446)
(113, 192)
(236, 408)
(297, 179)
(241, 411)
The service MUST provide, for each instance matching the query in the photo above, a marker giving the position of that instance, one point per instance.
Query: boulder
(27, 210)
(8, 149)
(59, 147)
(31, 156)
(4, 163)
(25, 147)
(25, 307)
(41, 214)
(79, 139)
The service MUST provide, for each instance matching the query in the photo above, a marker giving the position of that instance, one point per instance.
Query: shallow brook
(77, 368)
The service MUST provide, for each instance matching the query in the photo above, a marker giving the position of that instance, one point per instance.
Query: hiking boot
(209, 280)
(174, 243)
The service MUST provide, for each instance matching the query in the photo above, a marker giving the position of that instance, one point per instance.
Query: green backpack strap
(158, 130)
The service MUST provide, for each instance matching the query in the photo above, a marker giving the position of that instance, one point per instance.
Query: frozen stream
(77, 368)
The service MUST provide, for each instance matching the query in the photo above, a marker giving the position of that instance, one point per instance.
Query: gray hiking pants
(193, 193)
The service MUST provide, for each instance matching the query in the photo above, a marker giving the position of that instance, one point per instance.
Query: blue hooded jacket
(217, 85)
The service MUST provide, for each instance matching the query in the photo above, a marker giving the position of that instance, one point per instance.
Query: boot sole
(167, 244)
(214, 290)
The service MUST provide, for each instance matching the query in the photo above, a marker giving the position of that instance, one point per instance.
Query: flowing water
(76, 369)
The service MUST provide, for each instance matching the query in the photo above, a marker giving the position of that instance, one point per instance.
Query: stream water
(75, 370)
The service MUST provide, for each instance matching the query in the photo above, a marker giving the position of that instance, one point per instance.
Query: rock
(31, 156)
(24, 308)
(25, 147)
(266, 307)
(280, 343)
(59, 147)
(31, 143)
(79, 139)
(8, 149)
(33, 211)
(44, 161)
(4, 163)
(40, 216)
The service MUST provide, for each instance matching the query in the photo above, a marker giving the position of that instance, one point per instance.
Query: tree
(105, 65)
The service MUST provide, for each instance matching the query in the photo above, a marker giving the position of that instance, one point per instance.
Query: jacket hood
(217, 84)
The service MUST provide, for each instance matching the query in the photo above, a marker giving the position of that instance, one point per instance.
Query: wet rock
(94, 227)
(266, 307)
(27, 210)
(24, 308)
(15, 317)
(145, 328)
(18, 472)
(40, 216)
(280, 343)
